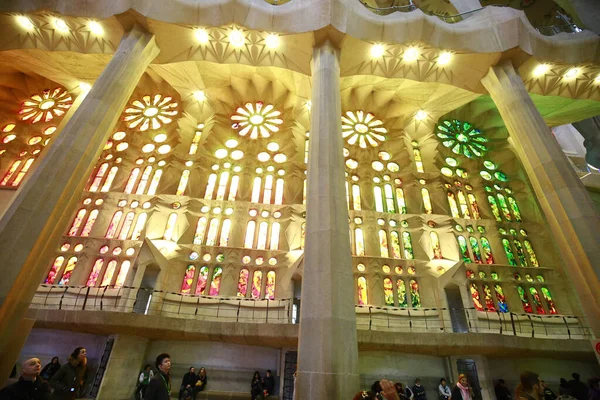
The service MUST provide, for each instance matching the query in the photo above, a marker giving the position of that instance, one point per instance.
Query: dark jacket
(269, 384)
(579, 389)
(502, 393)
(256, 388)
(204, 380)
(159, 387)
(456, 393)
(67, 381)
(419, 392)
(189, 379)
(26, 390)
(49, 371)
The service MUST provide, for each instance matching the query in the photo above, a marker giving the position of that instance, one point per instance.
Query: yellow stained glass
(66, 277)
(435, 245)
(474, 206)
(426, 201)
(462, 201)
(395, 241)
(155, 182)
(195, 141)
(210, 186)
(388, 291)
(122, 274)
(108, 274)
(54, 270)
(362, 291)
(109, 179)
(213, 229)
(270, 286)
(356, 197)
(249, 239)
(383, 244)
(378, 198)
(256, 284)
(418, 160)
(170, 228)
(359, 242)
(400, 200)
(185, 176)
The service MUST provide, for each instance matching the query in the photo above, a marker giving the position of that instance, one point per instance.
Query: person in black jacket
(30, 385)
(579, 389)
(159, 387)
(268, 384)
(256, 387)
(419, 391)
(50, 369)
(188, 385)
(502, 392)
(202, 380)
(70, 377)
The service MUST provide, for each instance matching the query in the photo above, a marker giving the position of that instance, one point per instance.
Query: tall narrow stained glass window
(109, 273)
(98, 177)
(256, 284)
(126, 225)
(144, 180)
(109, 179)
(275, 229)
(242, 288)
(388, 291)
(487, 250)
(549, 301)
(225, 229)
(263, 229)
(140, 224)
(401, 290)
(200, 230)
(249, 239)
(77, 222)
(185, 176)
(66, 277)
(383, 244)
(515, 209)
(475, 248)
(462, 201)
(435, 245)
(537, 301)
(489, 301)
(426, 201)
(188, 279)
(213, 230)
(494, 207)
(356, 204)
(362, 291)
(464, 249)
(475, 296)
(114, 224)
(170, 228)
(509, 253)
(524, 300)
(378, 193)
(155, 181)
(395, 245)
(270, 286)
(359, 242)
(415, 296)
(215, 282)
(122, 274)
(532, 257)
(202, 279)
(132, 180)
(54, 270)
(210, 186)
(453, 205)
(95, 272)
(474, 206)
(520, 253)
(407, 244)
(502, 306)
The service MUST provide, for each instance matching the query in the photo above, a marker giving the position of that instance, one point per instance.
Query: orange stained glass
(132, 180)
(279, 191)
(98, 177)
(144, 181)
(89, 224)
(66, 277)
(223, 181)
(54, 270)
(139, 226)
(215, 282)
(418, 160)
(249, 239)
(462, 201)
(537, 301)
(202, 279)
(435, 245)
(109, 179)
(126, 225)
(235, 181)
(474, 206)
(109, 273)
(46, 106)
(213, 230)
(362, 291)
(256, 284)
(155, 182)
(195, 141)
(256, 189)
(388, 291)
(274, 243)
(378, 198)
(95, 272)
(263, 228)
(23, 171)
(243, 283)
(185, 176)
(77, 222)
(210, 186)
(270, 286)
(200, 230)
(356, 204)
(395, 244)
(426, 201)
(122, 274)
(383, 244)
(13, 168)
(489, 301)
(114, 224)
(170, 228)
(188, 279)
(359, 242)
(476, 297)
(268, 189)
(224, 239)
(400, 200)
(453, 205)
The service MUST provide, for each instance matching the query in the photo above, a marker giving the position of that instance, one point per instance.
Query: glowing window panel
(98, 178)
(77, 222)
(524, 300)
(279, 191)
(515, 209)
(132, 180)
(502, 306)
(504, 207)
(415, 296)
(494, 207)
(109, 179)
(407, 244)
(475, 296)
(66, 277)
(359, 242)
(213, 229)
(223, 181)
(185, 176)
(122, 274)
(388, 291)
(263, 227)
(362, 291)
(487, 250)
(144, 181)
(453, 205)
(446, 171)
(520, 253)
(256, 284)
(378, 193)
(537, 301)
(426, 201)
(474, 206)
(435, 245)
(274, 243)
(195, 141)
(401, 290)
(126, 225)
(475, 249)
(356, 197)
(464, 250)
(509, 253)
(400, 200)
(114, 224)
(363, 129)
(210, 186)
(215, 282)
(188, 279)
(242, 287)
(302, 234)
(268, 189)
(489, 300)
(383, 244)
(249, 239)
(418, 160)
(13, 168)
(549, 301)
(532, 257)
(462, 201)
(256, 120)
(256, 189)
(139, 226)
(170, 227)
(46, 105)
(395, 245)
(54, 270)
(155, 182)
(202, 279)
(389, 198)
(270, 286)
(95, 272)
(151, 112)
(462, 138)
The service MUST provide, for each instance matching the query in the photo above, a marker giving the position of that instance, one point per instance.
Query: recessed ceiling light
(201, 35)
(444, 58)
(236, 38)
(200, 95)
(25, 22)
(85, 87)
(572, 73)
(420, 115)
(272, 41)
(377, 50)
(61, 25)
(541, 69)
(411, 54)
(96, 28)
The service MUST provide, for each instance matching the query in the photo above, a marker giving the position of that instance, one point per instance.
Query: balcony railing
(285, 311)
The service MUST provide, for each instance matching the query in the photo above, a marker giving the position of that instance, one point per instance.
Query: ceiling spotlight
(597, 80)
(85, 87)
(420, 115)
(411, 54)
(25, 22)
(61, 25)
(377, 50)
(272, 41)
(200, 95)
(444, 58)
(96, 28)
(201, 35)
(572, 73)
(541, 69)
(236, 38)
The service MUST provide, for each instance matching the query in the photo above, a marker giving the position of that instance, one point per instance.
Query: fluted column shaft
(568, 207)
(328, 351)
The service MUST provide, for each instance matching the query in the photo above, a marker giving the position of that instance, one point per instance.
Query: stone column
(328, 350)
(33, 223)
(568, 207)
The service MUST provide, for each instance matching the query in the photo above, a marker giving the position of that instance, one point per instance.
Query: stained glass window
(235, 181)
(453, 205)
(170, 228)
(504, 207)
(122, 274)
(362, 129)
(89, 224)
(268, 189)
(202, 279)
(275, 229)
(279, 191)
(435, 245)
(195, 141)
(185, 176)
(114, 224)
(210, 186)
(389, 198)
(256, 284)
(388, 291)
(215, 282)
(243, 283)
(474, 206)
(395, 242)
(249, 240)
(213, 230)
(549, 301)
(109, 179)
(475, 248)
(362, 291)
(77, 222)
(378, 193)
(359, 242)
(188, 279)
(356, 197)
(407, 244)
(155, 182)
(95, 272)
(462, 138)
(13, 168)
(139, 226)
(509, 253)
(502, 306)
(400, 200)
(200, 230)
(494, 207)
(489, 301)
(109, 273)
(470, 274)
(418, 160)
(144, 180)
(256, 190)
(98, 178)
(131, 181)
(520, 253)
(487, 250)
(270, 286)
(515, 209)
(54, 270)
(224, 239)
(464, 250)
(68, 271)
(475, 296)
(462, 201)
(302, 235)
(524, 300)
(263, 228)
(151, 112)
(415, 296)
(401, 289)
(532, 257)
(126, 225)
(223, 181)
(383, 244)
(426, 201)
(537, 301)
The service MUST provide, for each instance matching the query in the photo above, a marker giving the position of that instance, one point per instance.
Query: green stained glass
(486, 175)
(487, 250)
(458, 228)
(451, 161)
(509, 253)
(395, 241)
(401, 289)
(388, 291)
(481, 229)
(494, 276)
(494, 207)
(532, 257)
(404, 224)
(501, 298)
(464, 250)
(515, 209)
(528, 278)
(504, 207)
(407, 243)
(517, 277)
(462, 138)
(470, 228)
(549, 301)
(415, 296)
(523, 232)
(489, 165)
(502, 231)
(487, 189)
(524, 300)
(482, 275)
(512, 231)
(462, 173)
(501, 176)
(540, 278)
(520, 253)
(539, 308)
(476, 252)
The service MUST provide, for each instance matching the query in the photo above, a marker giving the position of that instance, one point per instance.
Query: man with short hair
(188, 385)
(159, 387)
(531, 387)
(419, 391)
(30, 385)
(268, 384)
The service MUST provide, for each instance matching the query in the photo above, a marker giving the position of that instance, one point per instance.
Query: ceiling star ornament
(46, 106)
(256, 120)
(363, 129)
(462, 138)
(150, 112)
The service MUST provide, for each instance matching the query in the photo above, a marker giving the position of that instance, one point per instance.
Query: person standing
(462, 390)
(50, 369)
(268, 384)
(578, 388)
(159, 387)
(419, 391)
(143, 381)
(188, 385)
(530, 387)
(30, 385)
(444, 390)
(202, 380)
(69, 379)
(502, 392)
